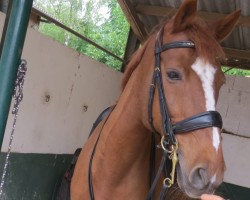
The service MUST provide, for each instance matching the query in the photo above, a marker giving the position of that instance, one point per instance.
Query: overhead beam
(132, 12)
(133, 19)
(166, 11)
(236, 53)
(238, 58)
(238, 64)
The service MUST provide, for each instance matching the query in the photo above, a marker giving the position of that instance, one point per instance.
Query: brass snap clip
(174, 158)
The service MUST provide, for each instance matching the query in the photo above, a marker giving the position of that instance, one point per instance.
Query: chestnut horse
(183, 57)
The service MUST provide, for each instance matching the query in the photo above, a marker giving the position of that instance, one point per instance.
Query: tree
(100, 20)
(236, 72)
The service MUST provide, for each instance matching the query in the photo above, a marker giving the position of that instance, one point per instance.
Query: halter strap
(167, 126)
(202, 120)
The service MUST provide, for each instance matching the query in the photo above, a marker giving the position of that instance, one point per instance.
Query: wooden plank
(138, 28)
(236, 53)
(133, 19)
(166, 11)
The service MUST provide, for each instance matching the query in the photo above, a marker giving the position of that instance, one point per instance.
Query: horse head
(191, 79)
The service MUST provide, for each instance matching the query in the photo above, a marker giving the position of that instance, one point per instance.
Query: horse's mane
(134, 61)
(198, 31)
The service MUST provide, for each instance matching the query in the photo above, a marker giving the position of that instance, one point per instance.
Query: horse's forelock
(205, 43)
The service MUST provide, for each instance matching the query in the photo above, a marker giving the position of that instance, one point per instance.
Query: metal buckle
(174, 158)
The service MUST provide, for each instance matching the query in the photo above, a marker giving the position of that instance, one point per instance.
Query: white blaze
(206, 72)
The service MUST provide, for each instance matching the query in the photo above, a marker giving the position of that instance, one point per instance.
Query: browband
(174, 45)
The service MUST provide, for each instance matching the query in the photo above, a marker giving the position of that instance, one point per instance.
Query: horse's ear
(185, 15)
(223, 27)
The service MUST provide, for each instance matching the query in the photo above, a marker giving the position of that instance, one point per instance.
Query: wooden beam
(132, 12)
(237, 58)
(133, 19)
(239, 64)
(236, 53)
(166, 11)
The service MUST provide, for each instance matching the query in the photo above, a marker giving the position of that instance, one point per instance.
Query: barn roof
(143, 15)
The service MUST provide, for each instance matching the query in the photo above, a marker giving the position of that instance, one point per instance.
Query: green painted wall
(233, 192)
(34, 176)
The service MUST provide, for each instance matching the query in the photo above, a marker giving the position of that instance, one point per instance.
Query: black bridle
(169, 143)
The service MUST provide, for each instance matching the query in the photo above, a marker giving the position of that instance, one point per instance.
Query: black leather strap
(167, 128)
(100, 118)
(203, 120)
(174, 45)
(158, 175)
(152, 160)
(90, 184)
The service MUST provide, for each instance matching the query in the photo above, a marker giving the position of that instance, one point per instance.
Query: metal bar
(49, 18)
(12, 49)
(5, 26)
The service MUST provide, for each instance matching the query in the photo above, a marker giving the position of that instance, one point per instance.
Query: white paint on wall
(233, 104)
(64, 92)
(236, 153)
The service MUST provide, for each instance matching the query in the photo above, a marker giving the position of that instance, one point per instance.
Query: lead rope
(18, 96)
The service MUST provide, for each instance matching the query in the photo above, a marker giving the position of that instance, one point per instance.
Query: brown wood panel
(236, 53)
(166, 11)
(133, 19)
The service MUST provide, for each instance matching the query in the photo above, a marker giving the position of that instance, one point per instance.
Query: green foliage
(102, 21)
(236, 72)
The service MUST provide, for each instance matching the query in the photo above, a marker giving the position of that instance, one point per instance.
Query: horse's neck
(123, 151)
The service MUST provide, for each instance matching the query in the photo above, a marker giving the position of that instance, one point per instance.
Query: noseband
(168, 142)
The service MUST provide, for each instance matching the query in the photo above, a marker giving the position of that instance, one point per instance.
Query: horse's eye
(174, 75)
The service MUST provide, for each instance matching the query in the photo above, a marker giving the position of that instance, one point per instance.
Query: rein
(169, 144)
(107, 112)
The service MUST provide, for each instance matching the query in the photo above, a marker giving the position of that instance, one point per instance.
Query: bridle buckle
(174, 158)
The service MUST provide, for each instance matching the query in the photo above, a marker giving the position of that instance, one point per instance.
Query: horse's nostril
(198, 178)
